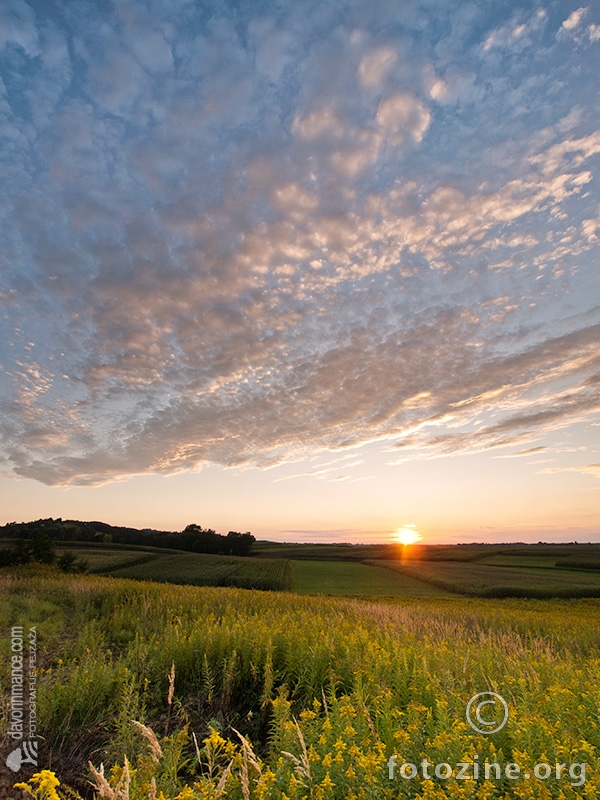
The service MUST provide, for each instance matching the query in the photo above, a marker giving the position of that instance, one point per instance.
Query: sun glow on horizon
(407, 534)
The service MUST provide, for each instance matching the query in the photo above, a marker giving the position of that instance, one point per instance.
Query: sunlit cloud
(246, 238)
(530, 451)
(588, 469)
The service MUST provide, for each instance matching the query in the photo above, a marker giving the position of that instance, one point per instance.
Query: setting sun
(407, 534)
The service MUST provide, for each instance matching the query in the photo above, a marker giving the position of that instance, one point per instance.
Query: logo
(496, 716)
(25, 754)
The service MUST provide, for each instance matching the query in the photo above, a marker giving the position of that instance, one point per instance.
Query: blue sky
(317, 270)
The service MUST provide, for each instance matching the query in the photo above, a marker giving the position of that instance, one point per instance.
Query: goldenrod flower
(42, 786)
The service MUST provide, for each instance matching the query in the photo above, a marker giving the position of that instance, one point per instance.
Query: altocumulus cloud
(238, 233)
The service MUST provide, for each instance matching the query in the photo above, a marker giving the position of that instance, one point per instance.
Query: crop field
(519, 561)
(545, 554)
(209, 570)
(105, 560)
(325, 552)
(485, 580)
(274, 696)
(306, 576)
(363, 570)
(356, 579)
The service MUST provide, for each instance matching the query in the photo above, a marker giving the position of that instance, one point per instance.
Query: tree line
(40, 548)
(193, 538)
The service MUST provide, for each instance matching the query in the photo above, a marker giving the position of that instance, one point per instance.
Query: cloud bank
(238, 235)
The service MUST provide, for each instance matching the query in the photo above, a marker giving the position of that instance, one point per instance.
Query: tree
(42, 548)
(239, 544)
(22, 552)
(68, 562)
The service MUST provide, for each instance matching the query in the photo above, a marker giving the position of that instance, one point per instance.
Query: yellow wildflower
(46, 782)
(327, 783)
(186, 794)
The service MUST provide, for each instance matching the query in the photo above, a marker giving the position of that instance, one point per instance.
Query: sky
(317, 270)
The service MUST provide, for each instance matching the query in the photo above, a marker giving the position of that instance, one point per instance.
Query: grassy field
(323, 691)
(325, 552)
(303, 576)
(201, 569)
(107, 560)
(565, 570)
(483, 580)
(356, 579)
(418, 552)
(503, 560)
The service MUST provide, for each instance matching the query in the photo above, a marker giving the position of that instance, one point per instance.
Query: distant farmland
(486, 580)
(566, 570)
(201, 569)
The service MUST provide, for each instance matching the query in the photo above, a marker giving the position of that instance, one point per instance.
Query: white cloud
(573, 27)
(375, 66)
(574, 19)
(402, 114)
(568, 154)
(516, 34)
(246, 238)
(456, 86)
(589, 469)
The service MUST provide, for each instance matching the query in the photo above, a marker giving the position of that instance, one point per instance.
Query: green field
(201, 569)
(550, 553)
(308, 576)
(303, 576)
(325, 552)
(324, 691)
(502, 560)
(105, 560)
(355, 579)
(482, 580)
(362, 570)
(368, 652)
